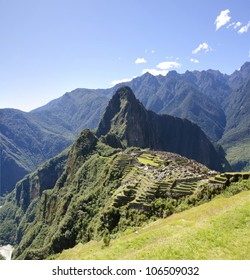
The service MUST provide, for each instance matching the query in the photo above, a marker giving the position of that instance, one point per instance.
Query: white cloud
(230, 25)
(155, 72)
(237, 24)
(140, 60)
(162, 68)
(234, 25)
(120, 81)
(166, 65)
(204, 46)
(222, 19)
(244, 28)
(194, 60)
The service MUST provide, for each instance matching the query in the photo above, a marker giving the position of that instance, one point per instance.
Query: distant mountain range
(218, 103)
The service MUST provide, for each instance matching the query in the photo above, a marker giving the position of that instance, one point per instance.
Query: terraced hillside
(149, 175)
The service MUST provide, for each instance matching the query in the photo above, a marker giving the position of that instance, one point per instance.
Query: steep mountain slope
(189, 95)
(211, 83)
(21, 205)
(74, 111)
(24, 145)
(190, 103)
(29, 139)
(239, 76)
(236, 138)
(127, 118)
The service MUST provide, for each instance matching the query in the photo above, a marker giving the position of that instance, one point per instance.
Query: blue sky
(49, 47)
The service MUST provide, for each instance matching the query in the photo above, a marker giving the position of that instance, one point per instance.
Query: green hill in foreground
(219, 229)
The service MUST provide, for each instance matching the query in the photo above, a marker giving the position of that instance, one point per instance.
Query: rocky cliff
(127, 118)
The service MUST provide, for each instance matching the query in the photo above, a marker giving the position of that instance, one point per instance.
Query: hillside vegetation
(97, 191)
(219, 229)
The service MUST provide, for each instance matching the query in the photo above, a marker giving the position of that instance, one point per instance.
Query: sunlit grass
(219, 229)
(147, 159)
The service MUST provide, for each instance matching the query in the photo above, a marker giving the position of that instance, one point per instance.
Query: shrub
(106, 238)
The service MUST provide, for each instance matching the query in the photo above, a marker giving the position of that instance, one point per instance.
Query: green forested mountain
(102, 185)
(214, 101)
(24, 145)
(98, 193)
(74, 111)
(29, 139)
(236, 138)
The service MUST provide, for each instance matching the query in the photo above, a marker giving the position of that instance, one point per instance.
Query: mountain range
(217, 103)
(125, 165)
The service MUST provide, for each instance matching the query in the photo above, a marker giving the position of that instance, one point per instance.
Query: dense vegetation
(19, 207)
(99, 192)
(215, 230)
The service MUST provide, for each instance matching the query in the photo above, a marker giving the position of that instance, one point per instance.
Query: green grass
(219, 229)
(147, 159)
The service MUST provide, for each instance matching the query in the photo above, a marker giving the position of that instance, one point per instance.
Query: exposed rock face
(126, 117)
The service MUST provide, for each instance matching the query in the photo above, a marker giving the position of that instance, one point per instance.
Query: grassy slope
(219, 229)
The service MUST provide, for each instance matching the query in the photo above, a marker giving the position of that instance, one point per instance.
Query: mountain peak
(126, 93)
(245, 68)
(128, 119)
(121, 109)
(240, 75)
